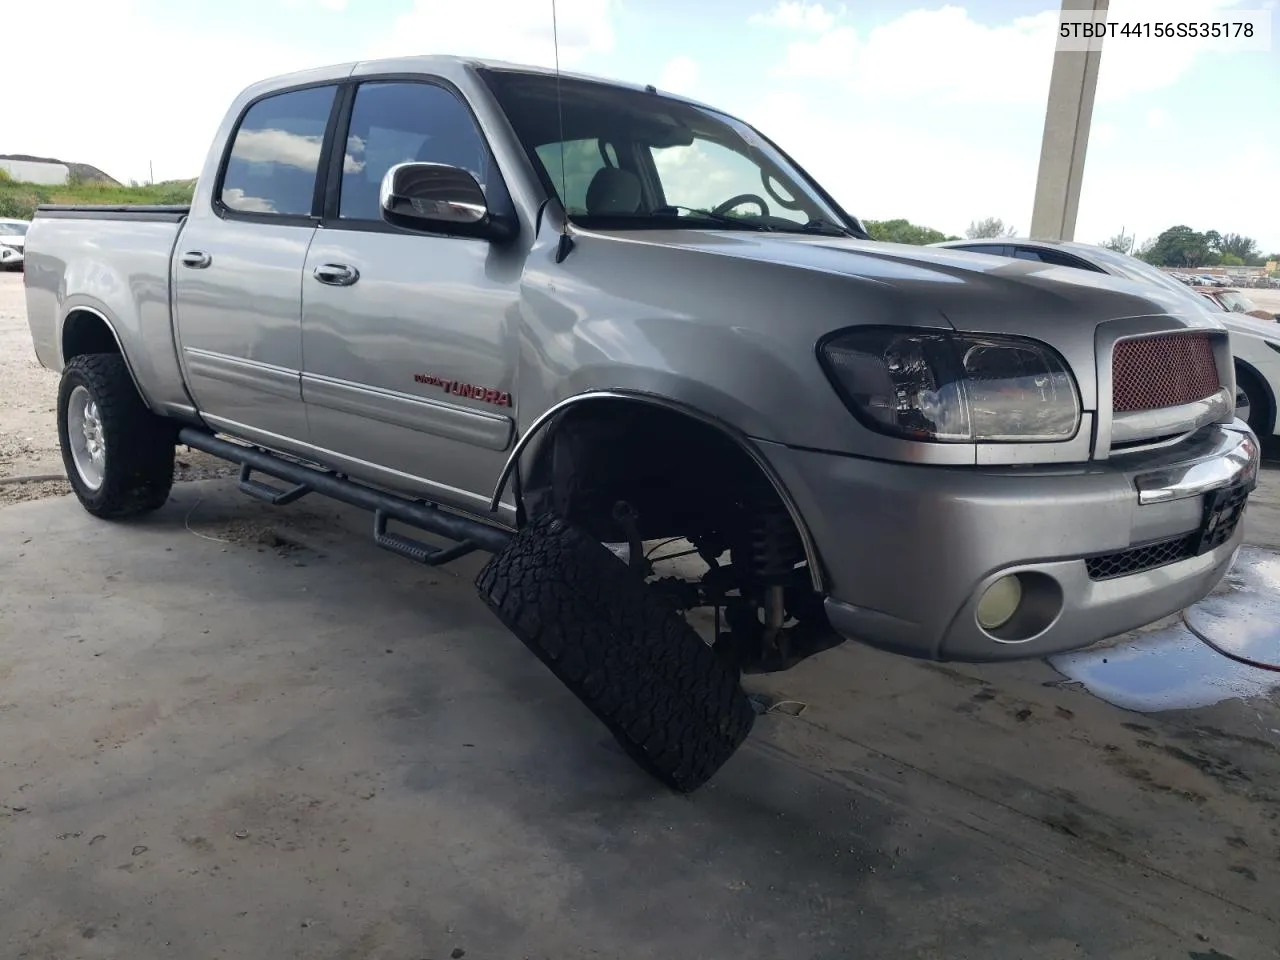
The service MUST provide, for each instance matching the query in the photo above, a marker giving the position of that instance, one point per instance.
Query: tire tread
(674, 706)
(140, 446)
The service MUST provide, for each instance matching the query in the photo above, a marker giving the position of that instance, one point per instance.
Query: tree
(987, 228)
(1180, 246)
(1236, 245)
(1121, 243)
(1230, 260)
(903, 231)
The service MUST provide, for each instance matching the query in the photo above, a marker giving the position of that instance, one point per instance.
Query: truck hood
(973, 291)
(836, 282)
(17, 242)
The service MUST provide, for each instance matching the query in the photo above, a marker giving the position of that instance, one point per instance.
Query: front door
(410, 340)
(238, 272)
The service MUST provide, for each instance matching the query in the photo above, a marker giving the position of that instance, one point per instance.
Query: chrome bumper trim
(1235, 460)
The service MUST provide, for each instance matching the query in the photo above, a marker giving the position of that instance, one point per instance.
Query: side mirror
(440, 198)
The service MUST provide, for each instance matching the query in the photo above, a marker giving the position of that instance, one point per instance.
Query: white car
(13, 242)
(1255, 343)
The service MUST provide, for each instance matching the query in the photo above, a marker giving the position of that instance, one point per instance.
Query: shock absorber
(775, 544)
(775, 550)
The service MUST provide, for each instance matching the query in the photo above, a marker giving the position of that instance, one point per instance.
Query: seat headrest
(613, 191)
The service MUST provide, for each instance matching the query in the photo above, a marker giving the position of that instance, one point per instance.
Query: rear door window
(275, 155)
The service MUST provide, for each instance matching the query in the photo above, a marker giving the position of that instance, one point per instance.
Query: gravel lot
(28, 426)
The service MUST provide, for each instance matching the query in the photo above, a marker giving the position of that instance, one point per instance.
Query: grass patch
(18, 199)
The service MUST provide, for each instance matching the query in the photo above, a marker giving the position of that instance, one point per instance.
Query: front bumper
(908, 550)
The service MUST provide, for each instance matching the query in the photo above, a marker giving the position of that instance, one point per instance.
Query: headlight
(953, 387)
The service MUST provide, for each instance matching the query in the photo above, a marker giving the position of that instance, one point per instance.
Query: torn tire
(674, 706)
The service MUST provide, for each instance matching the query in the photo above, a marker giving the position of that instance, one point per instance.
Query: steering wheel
(738, 201)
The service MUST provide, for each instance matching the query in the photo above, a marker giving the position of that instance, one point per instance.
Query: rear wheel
(118, 454)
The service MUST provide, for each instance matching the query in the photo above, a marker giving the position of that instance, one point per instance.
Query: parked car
(1254, 344)
(13, 239)
(1231, 300)
(535, 315)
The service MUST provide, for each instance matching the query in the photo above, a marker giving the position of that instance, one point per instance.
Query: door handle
(336, 274)
(196, 259)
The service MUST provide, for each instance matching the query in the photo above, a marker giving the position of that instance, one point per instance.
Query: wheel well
(86, 332)
(1261, 387)
(683, 477)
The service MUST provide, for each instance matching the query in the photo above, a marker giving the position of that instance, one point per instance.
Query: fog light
(999, 603)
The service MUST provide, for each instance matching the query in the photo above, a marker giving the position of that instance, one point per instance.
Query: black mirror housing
(440, 198)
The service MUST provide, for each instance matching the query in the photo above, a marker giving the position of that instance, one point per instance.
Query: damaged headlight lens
(953, 387)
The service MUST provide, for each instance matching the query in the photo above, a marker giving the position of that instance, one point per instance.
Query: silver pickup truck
(558, 319)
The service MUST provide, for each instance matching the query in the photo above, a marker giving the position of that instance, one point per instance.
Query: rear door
(238, 270)
(410, 340)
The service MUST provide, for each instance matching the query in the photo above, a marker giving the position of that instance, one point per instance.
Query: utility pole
(1066, 125)
(151, 167)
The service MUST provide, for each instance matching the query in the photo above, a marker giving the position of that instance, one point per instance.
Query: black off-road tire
(674, 706)
(138, 467)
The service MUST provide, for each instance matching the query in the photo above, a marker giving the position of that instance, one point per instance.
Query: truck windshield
(617, 157)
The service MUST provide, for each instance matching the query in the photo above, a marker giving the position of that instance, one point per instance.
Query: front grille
(1138, 559)
(1162, 371)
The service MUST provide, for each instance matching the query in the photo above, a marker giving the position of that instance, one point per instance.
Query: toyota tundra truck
(559, 320)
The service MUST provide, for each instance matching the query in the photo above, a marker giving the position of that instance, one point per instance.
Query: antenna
(566, 241)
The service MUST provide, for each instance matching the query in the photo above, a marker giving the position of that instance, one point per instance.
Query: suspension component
(624, 514)
(774, 543)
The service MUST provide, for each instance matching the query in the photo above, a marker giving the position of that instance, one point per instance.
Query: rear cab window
(274, 157)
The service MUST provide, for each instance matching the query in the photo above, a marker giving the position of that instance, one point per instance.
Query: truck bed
(107, 264)
(172, 212)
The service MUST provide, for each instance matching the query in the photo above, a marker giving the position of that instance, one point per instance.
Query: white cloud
(518, 30)
(337, 6)
(680, 75)
(945, 53)
(797, 15)
(139, 94)
(935, 116)
(941, 52)
(277, 146)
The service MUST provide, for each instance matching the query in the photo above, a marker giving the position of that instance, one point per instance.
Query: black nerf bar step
(416, 550)
(267, 493)
(467, 534)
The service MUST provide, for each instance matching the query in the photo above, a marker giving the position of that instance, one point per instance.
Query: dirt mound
(83, 171)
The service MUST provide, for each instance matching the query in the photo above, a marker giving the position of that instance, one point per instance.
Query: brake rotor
(1241, 620)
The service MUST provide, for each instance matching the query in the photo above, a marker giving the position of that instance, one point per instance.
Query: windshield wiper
(737, 223)
(820, 226)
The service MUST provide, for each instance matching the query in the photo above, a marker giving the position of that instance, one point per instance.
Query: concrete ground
(233, 731)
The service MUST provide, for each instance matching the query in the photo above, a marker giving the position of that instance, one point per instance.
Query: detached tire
(672, 704)
(118, 454)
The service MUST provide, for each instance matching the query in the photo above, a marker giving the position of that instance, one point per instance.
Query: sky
(927, 110)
